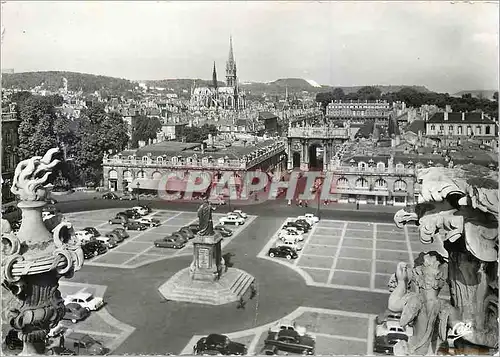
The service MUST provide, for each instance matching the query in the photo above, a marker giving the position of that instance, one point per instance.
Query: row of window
(362, 183)
(451, 129)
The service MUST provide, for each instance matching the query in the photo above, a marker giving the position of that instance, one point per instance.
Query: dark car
(118, 234)
(224, 231)
(385, 344)
(132, 214)
(135, 226)
(75, 312)
(12, 340)
(93, 249)
(296, 225)
(186, 233)
(170, 242)
(60, 351)
(95, 233)
(119, 219)
(147, 207)
(83, 344)
(194, 227)
(303, 223)
(110, 196)
(127, 197)
(283, 252)
(215, 344)
(51, 201)
(289, 341)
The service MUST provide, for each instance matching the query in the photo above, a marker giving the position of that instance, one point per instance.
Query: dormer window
(399, 167)
(159, 160)
(145, 159)
(380, 166)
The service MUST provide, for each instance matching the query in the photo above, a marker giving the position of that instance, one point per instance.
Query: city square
(249, 178)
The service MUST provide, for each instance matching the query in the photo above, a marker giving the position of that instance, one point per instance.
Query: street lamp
(138, 186)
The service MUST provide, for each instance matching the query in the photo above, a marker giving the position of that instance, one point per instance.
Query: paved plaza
(337, 332)
(353, 255)
(138, 249)
(100, 325)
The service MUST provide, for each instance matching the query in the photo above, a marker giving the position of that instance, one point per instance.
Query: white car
(217, 201)
(307, 219)
(85, 300)
(289, 234)
(59, 329)
(312, 217)
(141, 210)
(108, 242)
(288, 325)
(392, 326)
(241, 213)
(232, 219)
(294, 244)
(149, 221)
(84, 236)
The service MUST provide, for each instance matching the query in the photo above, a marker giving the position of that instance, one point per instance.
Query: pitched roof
(416, 126)
(468, 118)
(267, 116)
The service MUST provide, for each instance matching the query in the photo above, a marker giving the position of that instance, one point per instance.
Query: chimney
(202, 147)
(463, 116)
(426, 116)
(482, 115)
(445, 116)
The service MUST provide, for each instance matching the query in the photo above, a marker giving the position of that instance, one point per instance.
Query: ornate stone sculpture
(460, 207)
(205, 219)
(35, 259)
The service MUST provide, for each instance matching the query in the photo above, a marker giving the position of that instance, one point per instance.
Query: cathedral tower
(231, 78)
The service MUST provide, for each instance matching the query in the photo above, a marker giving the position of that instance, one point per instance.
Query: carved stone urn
(35, 258)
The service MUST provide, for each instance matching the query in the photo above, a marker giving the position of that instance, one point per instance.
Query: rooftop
(457, 117)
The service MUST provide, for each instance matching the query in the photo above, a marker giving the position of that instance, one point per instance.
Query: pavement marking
(339, 337)
(321, 245)
(306, 243)
(353, 271)
(408, 244)
(97, 333)
(374, 258)
(255, 341)
(337, 254)
(151, 246)
(313, 255)
(370, 337)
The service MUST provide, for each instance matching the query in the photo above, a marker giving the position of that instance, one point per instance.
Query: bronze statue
(205, 219)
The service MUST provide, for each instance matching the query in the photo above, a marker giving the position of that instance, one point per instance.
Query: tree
(338, 94)
(144, 129)
(369, 93)
(495, 96)
(196, 134)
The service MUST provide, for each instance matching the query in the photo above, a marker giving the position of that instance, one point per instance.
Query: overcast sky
(444, 46)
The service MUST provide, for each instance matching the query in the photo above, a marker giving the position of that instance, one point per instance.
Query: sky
(444, 46)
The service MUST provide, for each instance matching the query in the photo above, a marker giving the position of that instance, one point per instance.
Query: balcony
(319, 133)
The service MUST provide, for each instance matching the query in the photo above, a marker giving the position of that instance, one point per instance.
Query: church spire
(214, 77)
(231, 54)
(231, 77)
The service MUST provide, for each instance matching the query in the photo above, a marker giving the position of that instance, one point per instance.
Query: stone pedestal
(207, 262)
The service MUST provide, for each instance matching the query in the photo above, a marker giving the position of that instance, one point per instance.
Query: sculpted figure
(205, 219)
(459, 206)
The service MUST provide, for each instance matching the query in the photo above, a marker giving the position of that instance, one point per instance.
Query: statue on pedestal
(34, 259)
(459, 206)
(205, 219)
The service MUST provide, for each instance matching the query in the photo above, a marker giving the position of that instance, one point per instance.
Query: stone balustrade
(340, 169)
(318, 132)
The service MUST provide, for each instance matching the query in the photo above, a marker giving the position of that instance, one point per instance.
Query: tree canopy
(144, 128)
(197, 134)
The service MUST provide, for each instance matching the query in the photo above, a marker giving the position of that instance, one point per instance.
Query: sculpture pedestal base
(229, 288)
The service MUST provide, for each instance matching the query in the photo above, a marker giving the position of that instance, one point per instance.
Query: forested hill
(53, 80)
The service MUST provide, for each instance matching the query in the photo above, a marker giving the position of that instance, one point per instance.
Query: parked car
(303, 223)
(231, 219)
(307, 219)
(119, 219)
(193, 227)
(12, 340)
(224, 231)
(170, 242)
(95, 233)
(93, 249)
(135, 226)
(289, 341)
(218, 344)
(385, 344)
(283, 252)
(288, 325)
(141, 210)
(86, 300)
(294, 226)
(386, 316)
(132, 214)
(57, 330)
(241, 213)
(15, 225)
(290, 234)
(146, 207)
(148, 221)
(110, 196)
(109, 242)
(217, 201)
(118, 234)
(83, 344)
(52, 201)
(84, 236)
(312, 217)
(75, 312)
(60, 351)
(186, 233)
(392, 326)
(127, 197)
(292, 243)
